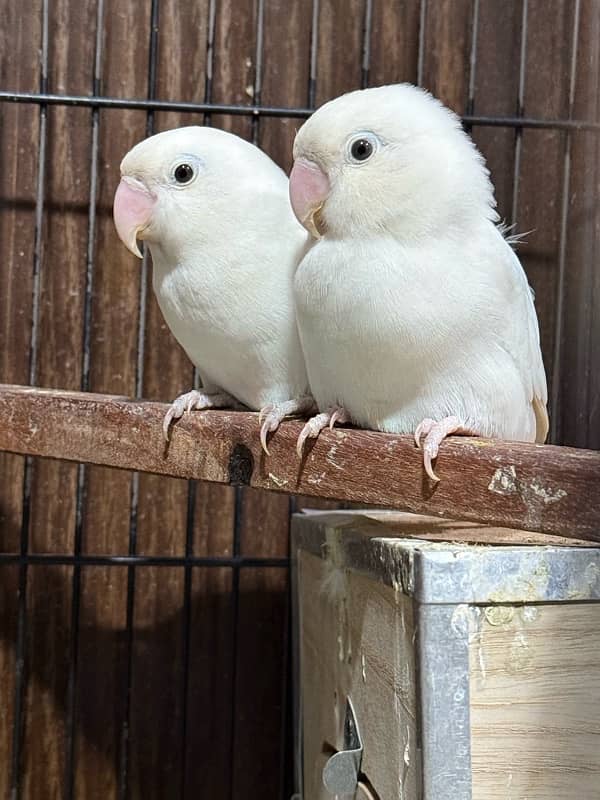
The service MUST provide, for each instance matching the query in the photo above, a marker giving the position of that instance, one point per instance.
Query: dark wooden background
(107, 709)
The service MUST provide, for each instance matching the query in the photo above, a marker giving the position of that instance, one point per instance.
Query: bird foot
(186, 403)
(314, 426)
(435, 433)
(273, 414)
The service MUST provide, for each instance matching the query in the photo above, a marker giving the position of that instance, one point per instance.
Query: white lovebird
(216, 214)
(414, 312)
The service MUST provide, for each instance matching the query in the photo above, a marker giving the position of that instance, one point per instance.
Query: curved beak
(132, 212)
(309, 188)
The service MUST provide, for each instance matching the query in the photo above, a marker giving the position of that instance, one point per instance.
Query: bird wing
(530, 361)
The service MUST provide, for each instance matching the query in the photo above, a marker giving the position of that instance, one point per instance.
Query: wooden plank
(495, 91)
(446, 51)
(234, 62)
(181, 66)
(213, 519)
(209, 702)
(259, 700)
(264, 524)
(9, 601)
(156, 696)
(394, 42)
(285, 73)
(101, 670)
(47, 659)
(535, 702)
(534, 487)
(339, 69)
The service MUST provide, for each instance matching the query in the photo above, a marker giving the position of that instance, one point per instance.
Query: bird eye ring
(361, 147)
(183, 173)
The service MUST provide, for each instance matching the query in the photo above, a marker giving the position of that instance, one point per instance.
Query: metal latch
(340, 774)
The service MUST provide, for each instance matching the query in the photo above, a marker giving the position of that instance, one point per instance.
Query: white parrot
(216, 215)
(414, 312)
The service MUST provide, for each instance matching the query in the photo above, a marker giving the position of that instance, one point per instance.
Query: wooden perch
(533, 487)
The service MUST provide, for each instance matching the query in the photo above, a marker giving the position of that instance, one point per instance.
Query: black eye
(361, 149)
(183, 173)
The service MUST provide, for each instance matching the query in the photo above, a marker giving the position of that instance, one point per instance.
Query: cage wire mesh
(480, 57)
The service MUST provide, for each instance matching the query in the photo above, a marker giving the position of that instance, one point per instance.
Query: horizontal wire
(53, 559)
(267, 111)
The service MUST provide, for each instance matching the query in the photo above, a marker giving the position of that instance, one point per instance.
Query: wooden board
(356, 639)
(535, 703)
(532, 487)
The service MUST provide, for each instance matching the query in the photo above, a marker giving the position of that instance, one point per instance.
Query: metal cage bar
(20, 660)
(270, 111)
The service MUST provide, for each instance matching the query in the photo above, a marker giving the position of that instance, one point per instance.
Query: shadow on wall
(207, 712)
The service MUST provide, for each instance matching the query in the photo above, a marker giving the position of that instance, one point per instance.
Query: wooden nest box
(444, 670)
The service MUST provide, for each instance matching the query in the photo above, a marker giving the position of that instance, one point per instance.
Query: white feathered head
(179, 183)
(390, 159)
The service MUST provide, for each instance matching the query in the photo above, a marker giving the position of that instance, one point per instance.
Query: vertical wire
(20, 672)
(258, 60)
(421, 53)
(124, 788)
(210, 56)
(473, 60)
(192, 484)
(366, 46)
(314, 47)
(85, 385)
(555, 425)
(520, 111)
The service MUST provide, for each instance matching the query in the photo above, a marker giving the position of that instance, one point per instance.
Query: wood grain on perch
(541, 488)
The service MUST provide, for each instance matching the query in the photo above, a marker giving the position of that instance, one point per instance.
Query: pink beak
(132, 211)
(309, 188)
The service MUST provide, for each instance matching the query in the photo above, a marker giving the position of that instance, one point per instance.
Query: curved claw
(423, 428)
(338, 415)
(191, 402)
(305, 434)
(427, 459)
(315, 425)
(264, 431)
(168, 418)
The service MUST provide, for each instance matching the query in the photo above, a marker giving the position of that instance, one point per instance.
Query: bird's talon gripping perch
(264, 412)
(435, 433)
(186, 403)
(273, 414)
(315, 425)
(423, 429)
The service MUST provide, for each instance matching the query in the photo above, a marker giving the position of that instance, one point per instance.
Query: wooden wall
(165, 680)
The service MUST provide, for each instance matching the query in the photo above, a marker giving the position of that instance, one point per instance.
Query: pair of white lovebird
(403, 309)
